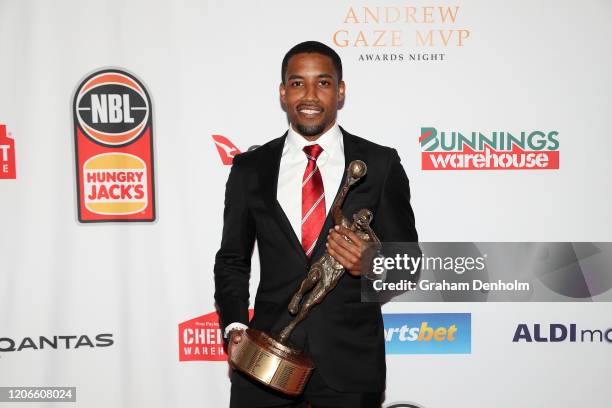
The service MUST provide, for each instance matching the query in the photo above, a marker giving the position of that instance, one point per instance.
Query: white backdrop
(213, 68)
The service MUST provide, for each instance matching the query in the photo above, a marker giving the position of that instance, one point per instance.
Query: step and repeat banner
(119, 121)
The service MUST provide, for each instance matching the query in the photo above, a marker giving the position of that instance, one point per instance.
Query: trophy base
(272, 363)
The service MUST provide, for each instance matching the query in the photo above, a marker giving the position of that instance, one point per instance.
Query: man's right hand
(235, 337)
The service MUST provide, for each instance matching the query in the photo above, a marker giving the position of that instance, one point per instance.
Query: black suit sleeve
(233, 260)
(395, 220)
(394, 223)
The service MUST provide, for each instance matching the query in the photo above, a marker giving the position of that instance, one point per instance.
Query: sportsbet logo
(113, 132)
(115, 184)
(525, 150)
(428, 333)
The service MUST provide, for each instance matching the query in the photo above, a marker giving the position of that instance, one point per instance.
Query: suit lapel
(281, 217)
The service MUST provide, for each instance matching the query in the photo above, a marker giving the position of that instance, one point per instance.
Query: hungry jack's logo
(527, 150)
(113, 131)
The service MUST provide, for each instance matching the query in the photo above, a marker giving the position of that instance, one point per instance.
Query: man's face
(311, 94)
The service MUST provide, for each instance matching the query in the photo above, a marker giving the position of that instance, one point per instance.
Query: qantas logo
(228, 150)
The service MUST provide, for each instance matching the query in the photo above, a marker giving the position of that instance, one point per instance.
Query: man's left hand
(348, 253)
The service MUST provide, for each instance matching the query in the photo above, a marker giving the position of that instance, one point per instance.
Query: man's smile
(309, 111)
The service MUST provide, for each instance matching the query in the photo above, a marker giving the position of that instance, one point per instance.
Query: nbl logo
(112, 108)
(114, 148)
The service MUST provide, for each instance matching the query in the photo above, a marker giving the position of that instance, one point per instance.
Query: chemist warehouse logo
(428, 333)
(201, 339)
(527, 150)
(113, 132)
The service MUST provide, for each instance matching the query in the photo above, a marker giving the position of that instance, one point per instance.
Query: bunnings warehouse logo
(453, 150)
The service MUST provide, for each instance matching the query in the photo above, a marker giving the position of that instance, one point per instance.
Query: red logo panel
(113, 132)
(201, 339)
(7, 155)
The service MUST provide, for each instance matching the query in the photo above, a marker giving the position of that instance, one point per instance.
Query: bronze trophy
(270, 359)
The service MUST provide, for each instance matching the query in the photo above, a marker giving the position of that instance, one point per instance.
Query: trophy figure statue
(270, 359)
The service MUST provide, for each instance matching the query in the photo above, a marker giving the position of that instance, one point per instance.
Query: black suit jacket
(343, 336)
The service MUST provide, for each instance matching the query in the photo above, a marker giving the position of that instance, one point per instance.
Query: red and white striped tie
(313, 200)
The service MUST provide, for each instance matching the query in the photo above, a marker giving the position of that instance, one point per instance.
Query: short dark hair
(312, 47)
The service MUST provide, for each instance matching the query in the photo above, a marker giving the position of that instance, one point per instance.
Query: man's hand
(347, 252)
(235, 336)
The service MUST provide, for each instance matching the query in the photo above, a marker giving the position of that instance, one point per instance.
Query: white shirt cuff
(232, 326)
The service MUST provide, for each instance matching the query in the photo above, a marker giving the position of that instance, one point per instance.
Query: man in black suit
(280, 195)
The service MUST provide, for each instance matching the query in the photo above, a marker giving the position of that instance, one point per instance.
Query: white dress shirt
(293, 164)
(291, 172)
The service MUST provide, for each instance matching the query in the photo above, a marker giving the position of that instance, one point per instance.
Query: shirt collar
(331, 141)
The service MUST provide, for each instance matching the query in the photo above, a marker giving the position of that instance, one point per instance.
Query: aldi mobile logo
(428, 333)
(560, 332)
(113, 132)
(453, 150)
